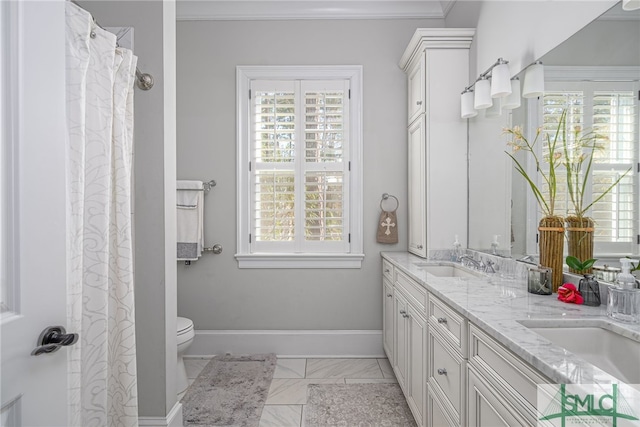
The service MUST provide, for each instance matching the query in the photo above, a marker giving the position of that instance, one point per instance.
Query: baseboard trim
(285, 343)
(173, 418)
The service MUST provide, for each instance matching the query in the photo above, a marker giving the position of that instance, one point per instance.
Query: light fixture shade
(630, 4)
(500, 81)
(495, 110)
(512, 101)
(482, 99)
(533, 86)
(466, 106)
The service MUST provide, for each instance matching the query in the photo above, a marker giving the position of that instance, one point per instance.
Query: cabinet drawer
(436, 414)
(387, 270)
(450, 324)
(411, 288)
(504, 370)
(446, 375)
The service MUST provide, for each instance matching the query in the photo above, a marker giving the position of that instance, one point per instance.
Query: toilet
(185, 338)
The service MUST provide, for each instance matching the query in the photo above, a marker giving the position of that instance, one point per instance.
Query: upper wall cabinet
(437, 65)
(415, 86)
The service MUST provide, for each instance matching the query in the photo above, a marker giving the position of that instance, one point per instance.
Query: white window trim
(246, 259)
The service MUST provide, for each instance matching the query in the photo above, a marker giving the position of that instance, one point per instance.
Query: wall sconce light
(533, 86)
(630, 4)
(512, 101)
(500, 79)
(493, 83)
(482, 99)
(466, 104)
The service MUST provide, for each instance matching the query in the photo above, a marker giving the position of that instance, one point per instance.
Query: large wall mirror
(602, 59)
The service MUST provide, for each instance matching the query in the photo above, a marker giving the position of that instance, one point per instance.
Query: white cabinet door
(400, 362)
(485, 407)
(387, 316)
(415, 86)
(417, 227)
(417, 387)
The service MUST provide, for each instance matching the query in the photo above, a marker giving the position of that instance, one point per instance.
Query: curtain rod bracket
(144, 80)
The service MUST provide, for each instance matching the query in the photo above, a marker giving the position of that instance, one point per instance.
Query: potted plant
(588, 287)
(551, 227)
(580, 147)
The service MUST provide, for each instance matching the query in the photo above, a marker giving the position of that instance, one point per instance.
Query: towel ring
(385, 196)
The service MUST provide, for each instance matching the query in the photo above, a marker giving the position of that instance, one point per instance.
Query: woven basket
(551, 245)
(580, 237)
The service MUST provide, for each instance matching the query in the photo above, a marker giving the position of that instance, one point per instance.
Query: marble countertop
(498, 305)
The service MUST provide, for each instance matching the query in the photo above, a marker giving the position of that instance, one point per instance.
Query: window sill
(299, 260)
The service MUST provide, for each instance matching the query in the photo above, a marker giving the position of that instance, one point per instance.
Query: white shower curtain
(102, 366)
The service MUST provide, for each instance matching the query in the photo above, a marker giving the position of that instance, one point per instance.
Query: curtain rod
(143, 80)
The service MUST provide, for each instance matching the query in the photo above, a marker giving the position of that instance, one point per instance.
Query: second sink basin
(448, 271)
(598, 343)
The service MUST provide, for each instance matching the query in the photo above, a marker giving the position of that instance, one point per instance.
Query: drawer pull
(403, 312)
(419, 246)
(442, 320)
(389, 295)
(386, 270)
(418, 102)
(442, 371)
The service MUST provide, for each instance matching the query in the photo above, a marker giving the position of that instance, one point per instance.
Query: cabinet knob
(419, 246)
(386, 270)
(418, 102)
(389, 295)
(403, 312)
(442, 320)
(442, 371)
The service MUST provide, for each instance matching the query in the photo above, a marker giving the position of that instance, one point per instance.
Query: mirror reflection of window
(610, 110)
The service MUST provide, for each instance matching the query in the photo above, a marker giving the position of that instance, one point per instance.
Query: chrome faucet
(470, 260)
(488, 266)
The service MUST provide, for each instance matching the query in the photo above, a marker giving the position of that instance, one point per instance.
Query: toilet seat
(184, 325)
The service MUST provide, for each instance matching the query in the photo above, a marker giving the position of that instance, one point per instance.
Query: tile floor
(288, 392)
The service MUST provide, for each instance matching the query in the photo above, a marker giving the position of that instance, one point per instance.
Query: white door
(34, 388)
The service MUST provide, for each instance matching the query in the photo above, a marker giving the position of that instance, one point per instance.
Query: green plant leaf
(574, 263)
(588, 264)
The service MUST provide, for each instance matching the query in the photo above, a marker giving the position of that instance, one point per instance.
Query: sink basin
(448, 271)
(598, 343)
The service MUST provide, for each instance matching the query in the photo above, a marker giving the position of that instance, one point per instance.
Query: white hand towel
(190, 216)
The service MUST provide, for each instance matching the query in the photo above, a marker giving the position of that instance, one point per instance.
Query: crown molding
(215, 10)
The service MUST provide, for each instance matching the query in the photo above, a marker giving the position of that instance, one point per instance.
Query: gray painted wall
(213, 292)
(156, 365)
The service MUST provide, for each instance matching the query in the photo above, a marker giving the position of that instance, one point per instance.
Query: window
(610, 110)
(299, 167)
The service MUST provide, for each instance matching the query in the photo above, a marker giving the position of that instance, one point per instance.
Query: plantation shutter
(615, 117)
(610, 110)
(299, 166)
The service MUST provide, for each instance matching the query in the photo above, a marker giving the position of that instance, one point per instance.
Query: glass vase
(590, 290)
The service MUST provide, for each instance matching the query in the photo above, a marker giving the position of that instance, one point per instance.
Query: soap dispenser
(623, 302)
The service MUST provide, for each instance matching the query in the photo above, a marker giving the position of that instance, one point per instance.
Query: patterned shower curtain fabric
(102, 366)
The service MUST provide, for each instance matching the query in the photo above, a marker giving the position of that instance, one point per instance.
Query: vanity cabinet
(436, 62)
(451, 372)
(446, 375)
(387, 319)
(410, 332)
(511, 383)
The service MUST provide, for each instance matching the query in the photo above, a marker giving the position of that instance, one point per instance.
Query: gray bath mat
(357, 405)
(230, 391)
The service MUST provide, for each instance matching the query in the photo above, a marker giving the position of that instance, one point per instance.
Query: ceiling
(311, 9)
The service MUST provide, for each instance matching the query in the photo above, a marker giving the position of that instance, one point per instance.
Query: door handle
(52, 338)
